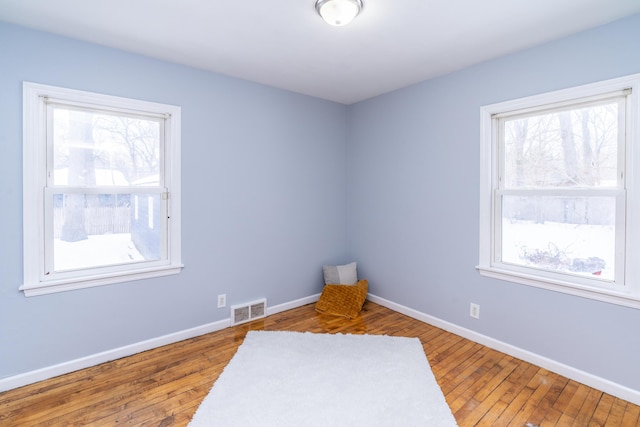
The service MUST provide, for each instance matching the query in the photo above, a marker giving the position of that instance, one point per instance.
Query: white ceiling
(285, 44)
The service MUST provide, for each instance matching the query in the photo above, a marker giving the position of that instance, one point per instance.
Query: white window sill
(63, 285)
(604, 295)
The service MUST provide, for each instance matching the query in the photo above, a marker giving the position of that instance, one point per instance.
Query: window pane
(564, 234)
(567, 148)
(98, 149)
(97, 230)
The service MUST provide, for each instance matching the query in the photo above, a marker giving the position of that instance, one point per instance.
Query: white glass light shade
(338, 12)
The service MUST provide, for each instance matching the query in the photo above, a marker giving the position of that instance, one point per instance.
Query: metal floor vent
(250, 311)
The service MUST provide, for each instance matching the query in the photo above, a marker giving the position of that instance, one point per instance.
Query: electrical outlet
(222, 300)
(474, 311)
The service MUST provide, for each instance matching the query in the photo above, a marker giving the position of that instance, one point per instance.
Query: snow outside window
(557, 191)
(89, 161)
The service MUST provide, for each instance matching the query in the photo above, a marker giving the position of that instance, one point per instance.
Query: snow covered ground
(570, 241)
(96, 251)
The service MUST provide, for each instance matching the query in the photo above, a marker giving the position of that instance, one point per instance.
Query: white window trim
(630, 296)
(34, 183)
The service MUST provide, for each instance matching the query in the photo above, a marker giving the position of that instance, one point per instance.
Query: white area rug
(282, 379)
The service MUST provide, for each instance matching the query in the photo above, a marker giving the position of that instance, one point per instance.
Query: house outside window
(101, 189)
(559, 191)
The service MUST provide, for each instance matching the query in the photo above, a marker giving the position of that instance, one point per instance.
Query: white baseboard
(583, 377)
(292, 304)
(31, 377)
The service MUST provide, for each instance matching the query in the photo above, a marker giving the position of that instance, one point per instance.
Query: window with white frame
(558, 173)
(101, 189)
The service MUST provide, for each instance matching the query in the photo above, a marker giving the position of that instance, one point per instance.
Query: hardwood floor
(164, 386)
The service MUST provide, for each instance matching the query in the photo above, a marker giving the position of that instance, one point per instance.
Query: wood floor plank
(454, 379)
(617, 412)
(602, 411)
(516, 395)
(486, 397)
(588, 408)
(631, 415)
(576, 401)
(476, 383)
(165, 386)
(544, 408)
(496, 401)
(536, 390)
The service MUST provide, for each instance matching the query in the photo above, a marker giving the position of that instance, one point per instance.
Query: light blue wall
(414, 195)
(263, 191)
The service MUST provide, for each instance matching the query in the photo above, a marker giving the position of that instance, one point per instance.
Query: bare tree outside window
(546, 156)
(77, 153)
(137, 155)
(111, 152)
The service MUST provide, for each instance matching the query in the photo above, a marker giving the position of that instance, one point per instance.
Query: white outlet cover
(474, 311)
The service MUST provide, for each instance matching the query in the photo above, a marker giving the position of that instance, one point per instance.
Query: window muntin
(600, 195)
(101, 189)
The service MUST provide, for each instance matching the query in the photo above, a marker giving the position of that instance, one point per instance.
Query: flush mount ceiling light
(338, 12)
